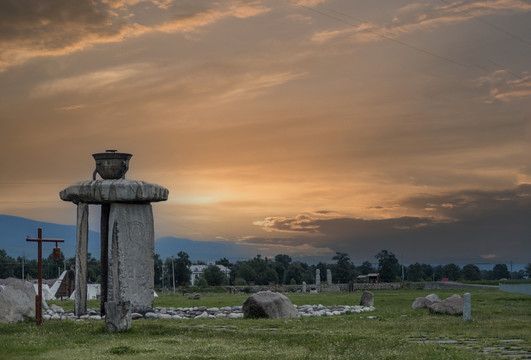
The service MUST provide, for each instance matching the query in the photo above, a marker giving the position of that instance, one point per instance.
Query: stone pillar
(304, 286)
(130, 255)
(80, 303)
(104, 231)
(118, 316)
(328, 276)
(467, 307)
(317, 277)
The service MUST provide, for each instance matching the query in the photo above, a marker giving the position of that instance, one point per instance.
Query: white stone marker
(317, 277)
(329, 276)
(467, 307)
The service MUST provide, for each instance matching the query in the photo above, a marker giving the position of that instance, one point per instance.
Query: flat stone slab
(114, 191)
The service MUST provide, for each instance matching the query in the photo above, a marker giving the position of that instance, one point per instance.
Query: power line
(427, 52)
(487, 23)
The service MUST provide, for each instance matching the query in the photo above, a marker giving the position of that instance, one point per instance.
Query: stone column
(467, 307)
(317, 277)
(130, 255)
(328, 276)
(80, 303)
(104, 231)
(304, 286)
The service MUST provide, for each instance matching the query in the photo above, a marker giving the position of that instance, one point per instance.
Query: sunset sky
(302, 127)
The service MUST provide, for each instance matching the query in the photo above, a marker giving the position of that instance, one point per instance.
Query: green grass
(397, 332)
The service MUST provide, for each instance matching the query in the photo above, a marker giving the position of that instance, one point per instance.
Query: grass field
(500, 326)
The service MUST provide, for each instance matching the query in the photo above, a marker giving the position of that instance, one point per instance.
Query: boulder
(433, 298)
(267, 304)
(17, 302)
(367, 299)
(451, 306)
(421, 303)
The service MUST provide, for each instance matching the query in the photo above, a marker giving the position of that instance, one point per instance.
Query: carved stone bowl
(111, 164)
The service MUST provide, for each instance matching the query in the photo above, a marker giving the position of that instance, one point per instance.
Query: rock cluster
(202, 312)
(452, 305)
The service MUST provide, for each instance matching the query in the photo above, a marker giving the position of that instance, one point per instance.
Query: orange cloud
(418, 17)
(53, 28)
(506, 86)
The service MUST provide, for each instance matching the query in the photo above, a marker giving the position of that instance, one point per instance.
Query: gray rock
(267, 304)
(117, 316)
(451, 306)
(164, 316)
(55, 317)
(151, 315)
(421, 303)
(136, 316)
(433, 298)
(17, 302)
(367, 299)
(56, 308)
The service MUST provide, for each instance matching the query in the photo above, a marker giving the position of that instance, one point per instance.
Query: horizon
(302, 127)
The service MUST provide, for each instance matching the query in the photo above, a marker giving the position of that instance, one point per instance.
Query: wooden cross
(38, 297)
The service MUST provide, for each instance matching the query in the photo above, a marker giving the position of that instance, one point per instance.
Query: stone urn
(111, 164)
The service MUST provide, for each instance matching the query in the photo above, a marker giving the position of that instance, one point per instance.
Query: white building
(198, 270)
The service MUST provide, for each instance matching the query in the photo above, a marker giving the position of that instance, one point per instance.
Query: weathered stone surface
(267, 304)
(114, 191)
(451, 306)
(329, 276)
(80, 304)
(317, 277)
(367, 299)
(130, 255)
(421, 303)
(117, 316)
(17, 302)
(467, 307)
(433, 298)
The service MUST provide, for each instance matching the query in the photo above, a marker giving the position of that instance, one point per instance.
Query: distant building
(198, 270)
(372, 278)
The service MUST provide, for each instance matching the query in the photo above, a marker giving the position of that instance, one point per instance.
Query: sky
(300, 127)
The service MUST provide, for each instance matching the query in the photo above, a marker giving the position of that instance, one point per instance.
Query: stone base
(117, 316)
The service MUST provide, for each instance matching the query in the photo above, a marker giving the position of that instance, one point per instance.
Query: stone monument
(127, 234)
(329, 276)
(317, 277)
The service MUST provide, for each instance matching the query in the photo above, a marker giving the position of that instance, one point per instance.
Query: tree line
(260, 270)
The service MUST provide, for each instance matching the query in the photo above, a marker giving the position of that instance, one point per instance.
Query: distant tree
(157, 265)
(295, 271)
(366, 268)
(213, 275)
(240, 282)
(7, 265)
(280, 265)
(201, 282)
(270, 276)
(225, 262)
(471, 272)
(388, 266)
(182, 268)
(427, 272)
(528, 270)
(500, 271)
(343, 269)
(451, 271)
(247, 273)
(414, 272)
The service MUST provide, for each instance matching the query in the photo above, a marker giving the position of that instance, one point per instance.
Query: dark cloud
(466, 226)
